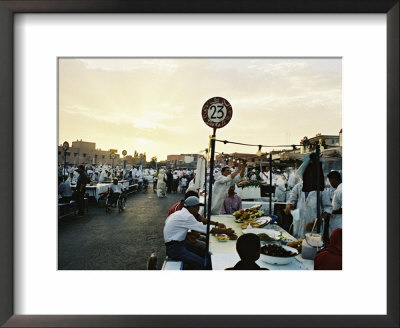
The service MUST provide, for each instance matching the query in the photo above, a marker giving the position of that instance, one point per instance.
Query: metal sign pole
(270, 183)
(65, 147)
(210, 196)
(205, 185)
(65, 163)
(317, 153)
(216, 113)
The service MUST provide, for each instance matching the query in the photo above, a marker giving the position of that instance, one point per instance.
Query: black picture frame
(10, 7)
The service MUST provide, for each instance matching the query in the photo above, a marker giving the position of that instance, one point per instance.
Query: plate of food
(277, 254)
(273, 234)
(222, 237)
(249, 214)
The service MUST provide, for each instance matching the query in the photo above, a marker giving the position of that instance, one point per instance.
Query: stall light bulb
(259, 153)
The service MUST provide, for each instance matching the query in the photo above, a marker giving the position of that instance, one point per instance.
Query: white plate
(263, 221)
(279, 260)
(272, 233)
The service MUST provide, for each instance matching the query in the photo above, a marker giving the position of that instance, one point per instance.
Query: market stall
(250, 192)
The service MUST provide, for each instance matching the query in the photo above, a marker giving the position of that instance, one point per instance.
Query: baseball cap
(192, 201)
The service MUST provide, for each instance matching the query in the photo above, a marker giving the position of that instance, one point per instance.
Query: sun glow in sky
(153, 105)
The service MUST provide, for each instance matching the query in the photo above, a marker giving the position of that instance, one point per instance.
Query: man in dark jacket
(170, 180)
(80, 188)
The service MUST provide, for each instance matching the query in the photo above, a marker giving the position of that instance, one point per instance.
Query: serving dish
(277, 259)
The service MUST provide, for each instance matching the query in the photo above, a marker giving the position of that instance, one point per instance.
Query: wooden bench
(71, 208)
(170, 264)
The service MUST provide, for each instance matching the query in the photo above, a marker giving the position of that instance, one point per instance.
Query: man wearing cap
(80, 188)
(116, 190)
(222, 184)
(175, 231)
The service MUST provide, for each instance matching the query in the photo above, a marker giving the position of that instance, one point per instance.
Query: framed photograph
(39, 37)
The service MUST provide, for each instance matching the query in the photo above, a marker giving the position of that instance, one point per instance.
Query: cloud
(160, 100)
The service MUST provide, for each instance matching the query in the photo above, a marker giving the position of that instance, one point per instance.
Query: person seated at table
(116, 190)
(95, 176)
(130, 178)
(104, 176)
(64, 191)
(175, 231)
(72, 178)
(248, 248)
(330, 258)
(232, 202)
(193, 236)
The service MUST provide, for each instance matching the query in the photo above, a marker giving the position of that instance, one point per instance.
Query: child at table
(248, 248)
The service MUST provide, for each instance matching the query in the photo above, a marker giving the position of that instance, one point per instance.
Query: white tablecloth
(96, 190)
(222, 261)
(249, 192)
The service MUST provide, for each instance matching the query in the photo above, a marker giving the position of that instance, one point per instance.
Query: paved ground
(115, 241)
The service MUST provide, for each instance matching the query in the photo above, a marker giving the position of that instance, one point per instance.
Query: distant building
(182, 160)
(83, 152)
(325, 142)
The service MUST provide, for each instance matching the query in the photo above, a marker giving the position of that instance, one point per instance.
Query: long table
(224, 255)
(96, 190)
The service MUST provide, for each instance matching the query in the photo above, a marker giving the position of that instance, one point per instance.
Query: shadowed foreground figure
(248, 248)
(330, 258)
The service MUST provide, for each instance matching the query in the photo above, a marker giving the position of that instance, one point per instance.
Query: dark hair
(224, 169)
(248, 247)
(335, 175)
(81, 167)
(191, 193)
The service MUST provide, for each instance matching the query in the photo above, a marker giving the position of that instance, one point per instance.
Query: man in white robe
(161, 184)
(335, 221)
(222, 184)
(306, 202)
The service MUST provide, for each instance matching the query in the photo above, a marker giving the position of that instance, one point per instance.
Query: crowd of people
(184, 225)
(78, 177)
(169, 181)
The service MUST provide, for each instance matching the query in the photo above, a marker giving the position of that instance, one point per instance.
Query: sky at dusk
(153, 105)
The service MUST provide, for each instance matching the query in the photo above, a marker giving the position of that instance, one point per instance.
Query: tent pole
(318, 191)
(206, 264)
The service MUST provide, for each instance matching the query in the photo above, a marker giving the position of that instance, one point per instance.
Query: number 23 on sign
(217, 112)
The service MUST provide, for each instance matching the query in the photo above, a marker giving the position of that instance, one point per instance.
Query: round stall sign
(124, 152)
(112, 156)
(216, 112)
(65, 145)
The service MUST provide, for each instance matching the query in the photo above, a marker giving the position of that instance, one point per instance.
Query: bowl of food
(277, 254)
